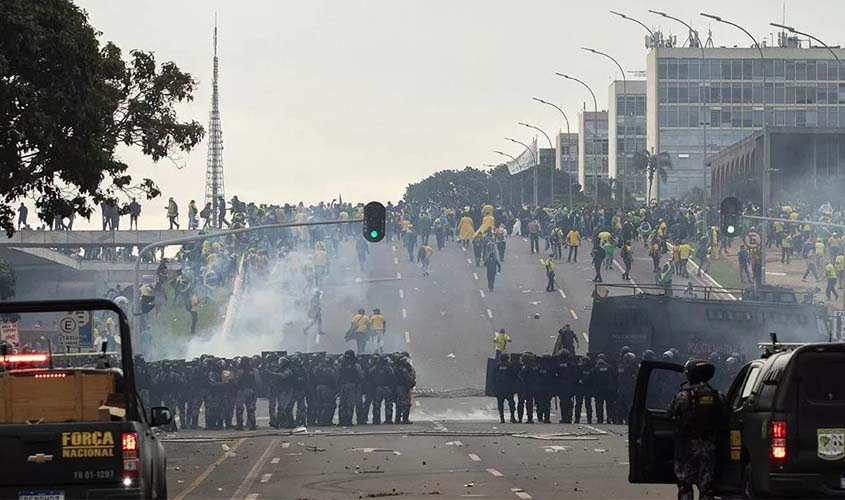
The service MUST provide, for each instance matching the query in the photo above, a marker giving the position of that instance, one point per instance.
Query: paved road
(457, 448)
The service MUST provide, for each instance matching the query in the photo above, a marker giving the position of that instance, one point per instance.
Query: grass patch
(724, 270)
(173, 320)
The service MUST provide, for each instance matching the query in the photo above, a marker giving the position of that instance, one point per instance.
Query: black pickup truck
(70, 428)
(782, 433)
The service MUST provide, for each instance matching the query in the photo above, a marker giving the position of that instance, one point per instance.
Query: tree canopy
(67, 102)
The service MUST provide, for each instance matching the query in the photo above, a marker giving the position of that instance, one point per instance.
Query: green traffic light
(373, 234)
(731, 229)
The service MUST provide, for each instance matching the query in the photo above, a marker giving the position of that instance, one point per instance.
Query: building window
(747, 117)
(758, 69)
(822, 93)
(683, 69)
(661, 69)
(801, 95)
(779, 68)
(736, 118)
(683, 116)
(790, 69)
(758, 119)
(715, 69)
(672, 73)
(693, 118)
(812, 118)
(790, 95)
(746, 93)
(821, 68)
(673, 93)
(715, 118)
(811, 70)
(747, 70)
(736, 93)
(842, 93)
(780, 117)
(780, 93)
(726, 69)
(683, 93)
(757, 93)
(801, 70)
(736, 69)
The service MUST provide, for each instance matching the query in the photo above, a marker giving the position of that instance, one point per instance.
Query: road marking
(595, 429)
(572, 312)
(407, 337)
(404, 313)
(394, 247)
(266, 477)
(275, 461)
(541, 260)
(396, 260)
(475, 275)
(252, 496)
(401, 293)
(561, 293)
(463, 248)
(474, 457)
(399, 276)
(285, 445)
(317, 341)
(469, 261)
(522, 494)
(249, 480)
(440, 427)
(482, 293)
(417, 402)
(495, 473)
(586, 337)
(207, 472)
(489, 314)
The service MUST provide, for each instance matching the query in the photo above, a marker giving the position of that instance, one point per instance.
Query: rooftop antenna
(709, 42)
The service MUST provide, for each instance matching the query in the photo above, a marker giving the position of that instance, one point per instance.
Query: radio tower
(214, 165)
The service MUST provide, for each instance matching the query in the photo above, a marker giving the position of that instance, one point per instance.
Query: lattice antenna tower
(214, 187)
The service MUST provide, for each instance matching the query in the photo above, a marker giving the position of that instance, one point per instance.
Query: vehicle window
(750, 380)
(821, 379)
(662, 387)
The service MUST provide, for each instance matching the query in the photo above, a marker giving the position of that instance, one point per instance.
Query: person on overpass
(22, 214)
(172, 213)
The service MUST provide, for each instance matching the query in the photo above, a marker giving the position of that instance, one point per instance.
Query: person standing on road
(501, 339)
(410, 242)
(349, 378)
(359, 329)
(830, 274)
(549, 264)
(573, 240)
(566, 377)
(534, 235)
(627, 253)
(383, 377)
(501, 233)
(406, 379)
(492, 265)
(528, 387)
(584, 389)
(598, 256)
(566, 339)
(702, 254)
(504, 383)
(378, 325)
(696, 410)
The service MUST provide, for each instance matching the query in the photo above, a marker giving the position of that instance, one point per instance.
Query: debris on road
(454, 443)
(450, 355)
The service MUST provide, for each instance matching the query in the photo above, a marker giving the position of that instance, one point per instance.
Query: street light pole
(536, 164)
(811, 37)
(704, 97)
(522, 196)
(624, 123)
(552, 146)
(493, 177)
(595, 117)
(628, 18)
(766, 144)
(568, 143)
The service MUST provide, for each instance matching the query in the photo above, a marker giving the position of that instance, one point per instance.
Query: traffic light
(374, 221)
(730, 216)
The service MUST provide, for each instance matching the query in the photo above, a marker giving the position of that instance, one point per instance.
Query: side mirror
(160, 415)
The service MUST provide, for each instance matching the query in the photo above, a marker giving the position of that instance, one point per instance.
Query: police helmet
(625, 350)
(564, 353)
(503, 358)
(629, 357)
(668, 356)
(675, 352)
(714, 357)
(648, 355)
(697, 370)
(601, 356)
(731, 362)
(349, 354)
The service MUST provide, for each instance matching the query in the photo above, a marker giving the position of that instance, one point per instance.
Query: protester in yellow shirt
(359, 329)
(684, 252)
(501, 340)
(573, 239)
(378, 325)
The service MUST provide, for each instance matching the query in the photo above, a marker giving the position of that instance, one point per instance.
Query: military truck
(700, 320)
(71, 422)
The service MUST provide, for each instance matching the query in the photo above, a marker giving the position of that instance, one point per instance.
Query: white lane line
(275, 461)
(440, 427)
(561, 293)
(475, 275)
(407, 337)
(317, 341)
(202, 477)
(394, 247)
(252, 496)
(417, 402)
(572, 312)
(401, 293)
(541, 260)
(463, 248)
(404, 313)
(248, 481)
(482, 293)
(522, 494)
(586, 337)
(474, 457)
(489, 314)
(266, 477)
(595, 429)
(399, 276)
(469, 261)
(396, 260)
(495, 473)
(285, 445)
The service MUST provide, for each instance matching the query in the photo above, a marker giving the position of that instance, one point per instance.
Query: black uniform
(566, 373)
(505, 382)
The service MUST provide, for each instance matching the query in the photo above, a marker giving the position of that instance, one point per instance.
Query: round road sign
(752, 239)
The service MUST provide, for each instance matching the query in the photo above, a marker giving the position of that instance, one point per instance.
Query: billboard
(525, 160)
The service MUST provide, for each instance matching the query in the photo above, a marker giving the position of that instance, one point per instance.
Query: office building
(627, 126)
(592, 149)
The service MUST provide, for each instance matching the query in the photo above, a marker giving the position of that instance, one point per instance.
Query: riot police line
(597, 384)
(300, 388)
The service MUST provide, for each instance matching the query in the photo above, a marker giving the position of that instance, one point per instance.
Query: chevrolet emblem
(39, 458)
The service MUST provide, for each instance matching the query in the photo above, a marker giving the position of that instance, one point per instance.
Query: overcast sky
(362, 97)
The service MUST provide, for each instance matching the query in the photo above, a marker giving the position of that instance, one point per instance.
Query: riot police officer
(566, 377)
(406, 379)
(603, 389)
(350, 376)
(382, 379)
(696, 410)
(245, 395)
(326, 391)
(584, 389)
(545, 388)
(527, 388)
(505, 382)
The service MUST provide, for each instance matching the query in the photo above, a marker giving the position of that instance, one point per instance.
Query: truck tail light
(129, 447)
(777, 446)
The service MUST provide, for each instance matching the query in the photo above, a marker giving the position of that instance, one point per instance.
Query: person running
(501, 339)
(315, 315)
(424, 258)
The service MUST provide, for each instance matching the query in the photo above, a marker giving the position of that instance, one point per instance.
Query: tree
(67, 103)
(648, 164)
(469, 186)
(7, 280)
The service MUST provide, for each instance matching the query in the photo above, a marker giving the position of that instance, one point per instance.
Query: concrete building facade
(728, 95)
(592, 149)
(627, 126)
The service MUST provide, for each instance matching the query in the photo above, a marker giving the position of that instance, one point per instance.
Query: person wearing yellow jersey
(573, 240)
(684, 252)
(501, 339)
(834, 245)
(378, 325)
(839, 266)
(676, 257)
(550, 273)
(359, 330)
(830, 274)
(465, 230)
(778, 225)
(819, 253)
(785, 248)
